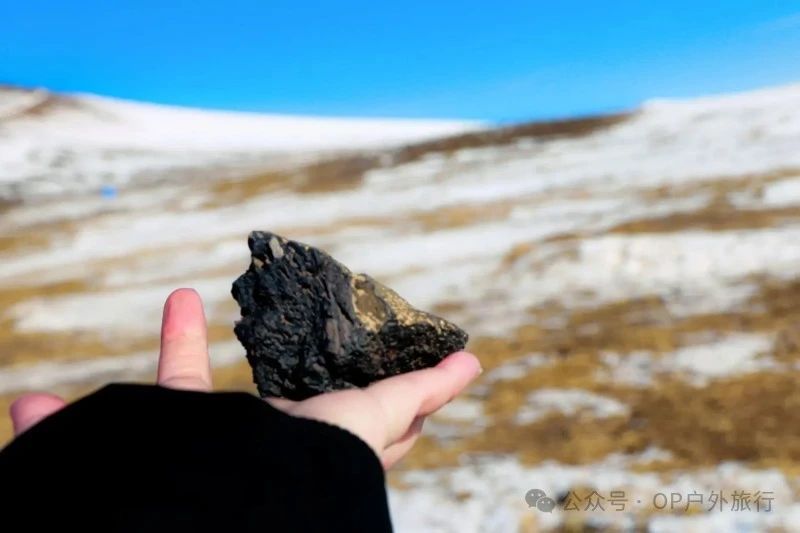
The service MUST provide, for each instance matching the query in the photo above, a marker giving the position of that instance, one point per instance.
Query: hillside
(52, 143)
(631, 284)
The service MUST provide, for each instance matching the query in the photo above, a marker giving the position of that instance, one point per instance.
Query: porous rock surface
(309, 325)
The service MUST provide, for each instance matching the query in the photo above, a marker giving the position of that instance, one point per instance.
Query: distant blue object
(109, 192)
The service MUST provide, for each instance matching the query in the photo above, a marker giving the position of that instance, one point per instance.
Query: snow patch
(50, 375)
(698, 364)
(488, 494)
(568, 402)
(782, 193)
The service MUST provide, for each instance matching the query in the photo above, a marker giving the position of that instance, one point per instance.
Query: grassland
(749, 417)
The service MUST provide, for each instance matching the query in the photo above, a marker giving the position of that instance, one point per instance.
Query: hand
(387, 415)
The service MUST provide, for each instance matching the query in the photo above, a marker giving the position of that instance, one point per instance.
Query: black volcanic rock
(309, 325)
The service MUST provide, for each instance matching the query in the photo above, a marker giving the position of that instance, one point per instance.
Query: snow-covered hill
(51, 143)
(631, 284)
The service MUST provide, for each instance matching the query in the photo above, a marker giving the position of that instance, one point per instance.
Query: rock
(309, 325)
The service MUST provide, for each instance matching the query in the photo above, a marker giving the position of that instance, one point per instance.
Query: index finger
(184, 362)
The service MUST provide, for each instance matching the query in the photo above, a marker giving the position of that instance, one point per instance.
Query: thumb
(29, 410)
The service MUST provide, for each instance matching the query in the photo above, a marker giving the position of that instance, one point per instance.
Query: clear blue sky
(497, 60)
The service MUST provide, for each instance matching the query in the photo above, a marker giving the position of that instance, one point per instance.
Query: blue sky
(498, 60)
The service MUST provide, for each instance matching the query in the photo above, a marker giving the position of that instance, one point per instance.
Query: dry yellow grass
(691, 423)
(329, 175)
(6, 430)
(19, 347)
(713, 217)
(20, 241)
(459, 216)
(570, 128)
(16, 240)
(698, 426)
(347, 171)
(721, 186)
(523, 249)
(13, 294)
(237, 377)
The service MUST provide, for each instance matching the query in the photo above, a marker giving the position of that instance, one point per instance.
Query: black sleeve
(150, 459)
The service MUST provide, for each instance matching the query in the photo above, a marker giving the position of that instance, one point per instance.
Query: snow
(105, 310)
(461, 409)
(497, 486)
(695, 271)
(80, 142)
(736, 354)
(782, 193)
(50, 375)
(568, 402)
(130, 125)
(678, 266)
(698, 363)
(545, 243)
(511, 370)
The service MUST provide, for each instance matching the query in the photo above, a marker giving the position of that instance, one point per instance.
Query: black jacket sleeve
(146, 458)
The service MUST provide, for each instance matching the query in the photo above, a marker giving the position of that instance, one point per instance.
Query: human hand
(387, 415)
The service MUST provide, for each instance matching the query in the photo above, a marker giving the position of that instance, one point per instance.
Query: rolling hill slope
(631, 284)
